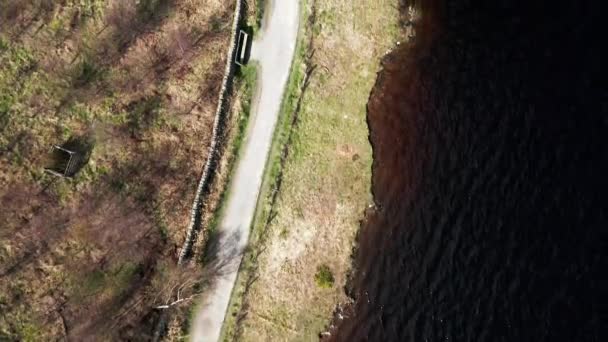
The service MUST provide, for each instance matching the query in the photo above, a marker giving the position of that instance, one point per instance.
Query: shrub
(324, 277)
(6, 103)
(144, 114)
(87, 73)
(3, 44)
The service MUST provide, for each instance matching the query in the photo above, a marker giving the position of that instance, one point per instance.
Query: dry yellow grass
(326, 180)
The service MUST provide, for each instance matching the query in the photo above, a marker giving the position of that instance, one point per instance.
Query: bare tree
(181, 283)
(175, 285)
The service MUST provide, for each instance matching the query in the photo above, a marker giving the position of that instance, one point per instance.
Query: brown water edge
(388, 132)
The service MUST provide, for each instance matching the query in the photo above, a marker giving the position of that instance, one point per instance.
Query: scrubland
(131, 87)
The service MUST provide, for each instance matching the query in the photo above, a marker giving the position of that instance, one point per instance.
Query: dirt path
(274, 52)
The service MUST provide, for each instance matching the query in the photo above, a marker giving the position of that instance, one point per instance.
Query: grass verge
(317, 181)
(244, 86)
(272, 171)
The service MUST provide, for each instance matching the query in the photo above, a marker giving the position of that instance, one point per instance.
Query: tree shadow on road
(222, 255)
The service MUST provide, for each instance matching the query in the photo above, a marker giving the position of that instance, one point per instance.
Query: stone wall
(214, 154)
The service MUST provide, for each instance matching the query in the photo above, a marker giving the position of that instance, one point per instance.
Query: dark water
(490, 144)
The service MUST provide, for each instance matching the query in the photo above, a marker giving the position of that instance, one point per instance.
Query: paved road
(274, 52)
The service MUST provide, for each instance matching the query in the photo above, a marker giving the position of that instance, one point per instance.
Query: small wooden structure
(240, 58)
(65, 162)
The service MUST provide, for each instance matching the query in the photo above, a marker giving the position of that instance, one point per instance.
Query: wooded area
(137, 83)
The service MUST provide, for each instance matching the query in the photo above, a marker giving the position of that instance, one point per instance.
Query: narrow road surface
(274, 52)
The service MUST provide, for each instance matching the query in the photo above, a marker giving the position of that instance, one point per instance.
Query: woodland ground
(318, 180)
(132, 87)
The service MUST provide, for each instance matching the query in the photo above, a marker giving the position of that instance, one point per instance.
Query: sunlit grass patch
(324, 277)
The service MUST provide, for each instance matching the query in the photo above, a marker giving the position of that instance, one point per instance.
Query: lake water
(490, 138)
